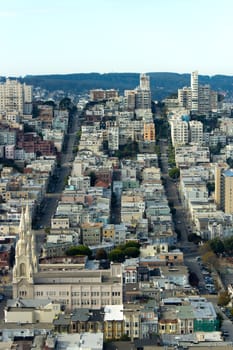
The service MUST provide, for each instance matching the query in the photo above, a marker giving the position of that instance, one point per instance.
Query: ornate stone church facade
(68, 284)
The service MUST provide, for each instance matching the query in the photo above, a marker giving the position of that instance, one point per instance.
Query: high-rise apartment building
(139, 98)
(194, 88)
(14, 96)
(179, 132)
(224, 188)
(129, 99)
(143, 99)
(143, 93)
(198, 98)
(204, 98)
(185, 97)
(144, 82)
(196, 132)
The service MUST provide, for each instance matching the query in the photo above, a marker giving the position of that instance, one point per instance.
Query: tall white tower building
(194, 88)
(143, 93)
(144, 82)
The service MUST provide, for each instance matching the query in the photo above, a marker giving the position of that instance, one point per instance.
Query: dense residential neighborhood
(116, 218)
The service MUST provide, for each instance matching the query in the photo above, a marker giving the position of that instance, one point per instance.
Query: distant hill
(162, 84)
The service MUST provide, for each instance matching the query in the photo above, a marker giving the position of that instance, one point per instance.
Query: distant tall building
(129, 99)
(204, 93)
(198, 98)
(14, 96)
(99, 94)
(224, 188)
(213, 101)
(194, 88)
(144, 82)
(143, 93)
(143, 99)
(185, 97)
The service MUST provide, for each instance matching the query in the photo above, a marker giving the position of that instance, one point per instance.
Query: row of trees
(220, 246)
(130, 249)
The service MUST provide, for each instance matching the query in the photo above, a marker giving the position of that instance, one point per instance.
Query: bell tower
(26, 262)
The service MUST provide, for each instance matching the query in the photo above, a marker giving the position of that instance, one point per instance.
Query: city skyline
(71, 36)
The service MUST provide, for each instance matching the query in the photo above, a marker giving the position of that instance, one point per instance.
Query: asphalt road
(49, 204)
(180, 218)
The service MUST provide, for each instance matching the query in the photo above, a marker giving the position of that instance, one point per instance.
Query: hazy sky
(73, 36)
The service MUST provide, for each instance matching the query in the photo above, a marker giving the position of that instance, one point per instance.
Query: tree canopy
(174, 173)
(224, 298)
(101, 254)
(129, 249)
(79, 250)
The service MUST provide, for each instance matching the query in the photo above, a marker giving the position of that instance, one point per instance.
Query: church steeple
(26, 263)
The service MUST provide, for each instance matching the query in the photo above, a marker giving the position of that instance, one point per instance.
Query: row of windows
(22, 293)
(135, 324)
(109, 335)
(77, 294)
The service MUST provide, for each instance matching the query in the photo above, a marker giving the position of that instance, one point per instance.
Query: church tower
(26, 262)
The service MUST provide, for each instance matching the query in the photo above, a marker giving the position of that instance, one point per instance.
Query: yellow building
(224, 189)
(149, 132)
(109, 232)
(113, 321)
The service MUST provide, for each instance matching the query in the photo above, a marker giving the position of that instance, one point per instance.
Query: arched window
(22, 269)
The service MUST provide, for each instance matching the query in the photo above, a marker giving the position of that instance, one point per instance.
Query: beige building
(14, 96)
(30, 311)
(224, 189)
(179, 132)
(66, 284)
(91, 233)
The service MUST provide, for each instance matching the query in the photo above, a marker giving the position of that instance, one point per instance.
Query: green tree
(224, 298)
(79, 250)
(205, 248)
(101, 254)
(217, 245)
(116, 255)
(193, 237)
(228, 245)
(65, 103)
(132, 252)
(210, 259)
(132, 244)
(174, 173)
